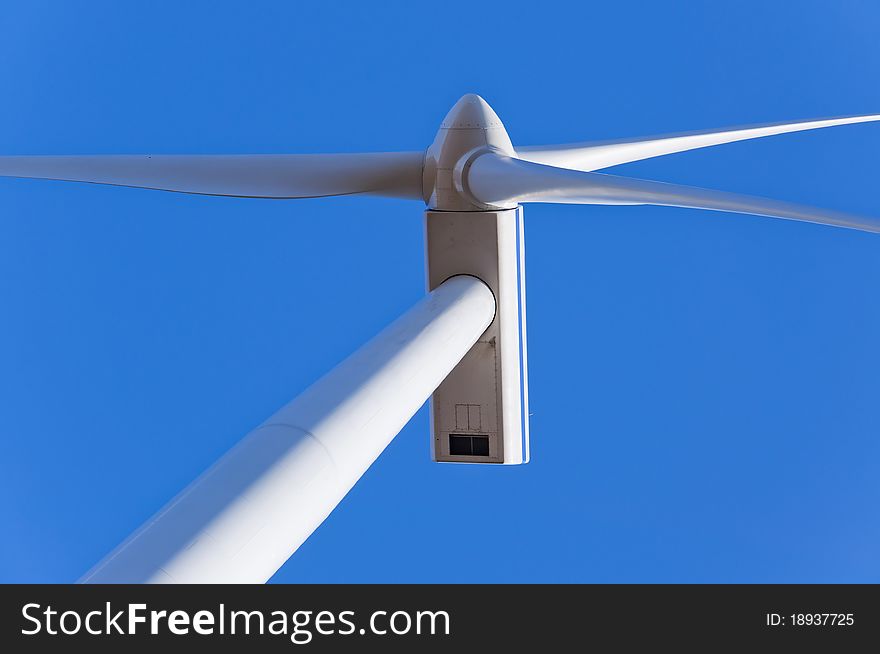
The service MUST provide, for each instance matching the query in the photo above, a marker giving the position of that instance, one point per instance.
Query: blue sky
(704, 386)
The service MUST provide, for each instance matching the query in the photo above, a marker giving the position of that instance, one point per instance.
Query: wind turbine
(463, 345)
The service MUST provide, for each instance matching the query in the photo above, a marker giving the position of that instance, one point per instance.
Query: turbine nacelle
(471, 128)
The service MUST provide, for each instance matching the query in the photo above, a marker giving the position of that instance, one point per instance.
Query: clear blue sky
(704, 386)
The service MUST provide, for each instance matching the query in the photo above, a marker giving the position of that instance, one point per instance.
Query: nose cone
(470, 112)
(470, 128)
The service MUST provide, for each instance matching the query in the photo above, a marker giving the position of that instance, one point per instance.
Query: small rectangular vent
(465, 445)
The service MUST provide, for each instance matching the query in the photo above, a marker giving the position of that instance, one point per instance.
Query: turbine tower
(463, 346)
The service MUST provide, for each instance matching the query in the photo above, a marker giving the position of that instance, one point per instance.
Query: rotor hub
(470, 128)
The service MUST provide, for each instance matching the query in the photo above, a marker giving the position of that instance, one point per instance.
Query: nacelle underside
(479, 414)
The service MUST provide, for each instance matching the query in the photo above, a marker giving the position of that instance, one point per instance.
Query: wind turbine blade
(596, 155)
(392, 174)
(499, 181)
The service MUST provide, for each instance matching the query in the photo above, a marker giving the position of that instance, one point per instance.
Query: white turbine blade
(499, 181)
(393, 174)
(596, 155)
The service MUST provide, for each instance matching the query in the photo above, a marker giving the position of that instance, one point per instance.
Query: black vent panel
(468, 445)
